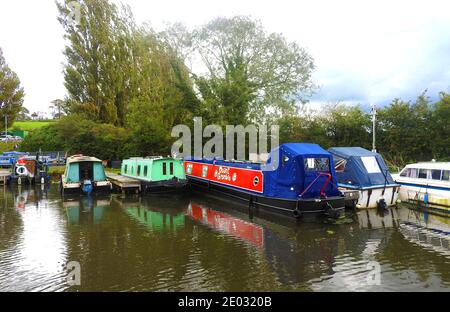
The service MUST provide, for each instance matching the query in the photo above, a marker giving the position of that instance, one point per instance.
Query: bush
(74, 134)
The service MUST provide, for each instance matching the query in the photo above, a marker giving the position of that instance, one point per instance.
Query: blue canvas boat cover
(302, 171)
(358, 167)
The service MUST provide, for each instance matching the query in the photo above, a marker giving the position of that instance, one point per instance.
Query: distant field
(31, 125)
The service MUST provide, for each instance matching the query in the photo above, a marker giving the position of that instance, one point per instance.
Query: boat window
(204, 171)
(317, 164)
(340, 165)
(139, 170)
(145, 170)
(446, 175)
(422, 173)
(171, 168)
(125, 168)
(405, 172)
(413, 173)
(371, 164)
(164, 168)
(436, 174)
(189, 168)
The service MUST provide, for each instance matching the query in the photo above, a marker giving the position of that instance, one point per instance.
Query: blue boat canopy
(304, 170)
(358, 167)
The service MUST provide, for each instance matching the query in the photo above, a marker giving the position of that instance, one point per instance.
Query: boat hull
(433, 197)
(173, 185)
(28, 180)
(333, 206)
(370, 197)
(97, 189)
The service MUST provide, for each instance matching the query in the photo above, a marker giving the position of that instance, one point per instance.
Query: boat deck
(124, 184)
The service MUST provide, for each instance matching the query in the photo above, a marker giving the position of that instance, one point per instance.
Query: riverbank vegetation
(128, 85)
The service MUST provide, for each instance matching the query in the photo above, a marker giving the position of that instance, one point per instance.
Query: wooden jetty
(124, 184)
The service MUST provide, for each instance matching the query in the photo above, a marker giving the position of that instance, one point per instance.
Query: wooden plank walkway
(124, 183)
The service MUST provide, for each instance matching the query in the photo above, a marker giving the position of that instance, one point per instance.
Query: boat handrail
(322, 190)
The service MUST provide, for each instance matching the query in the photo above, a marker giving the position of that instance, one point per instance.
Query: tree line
(128, 85)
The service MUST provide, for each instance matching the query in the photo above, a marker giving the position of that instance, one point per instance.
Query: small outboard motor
(381, 205)
(87, 187)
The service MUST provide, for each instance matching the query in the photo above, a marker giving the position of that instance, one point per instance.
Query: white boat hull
(370, 197)
(417, 194)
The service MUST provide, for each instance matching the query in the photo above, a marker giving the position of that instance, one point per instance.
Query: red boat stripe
(243, 178)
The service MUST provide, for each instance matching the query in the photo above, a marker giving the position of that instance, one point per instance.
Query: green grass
(56, 170)
(31, 125)
(111, 170)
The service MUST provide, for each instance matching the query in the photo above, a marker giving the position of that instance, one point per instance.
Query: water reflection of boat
(27, 195)
(378, 218)
(86, 209)
(228, 224)
(296, 252)
(429, 231)
(155, 213)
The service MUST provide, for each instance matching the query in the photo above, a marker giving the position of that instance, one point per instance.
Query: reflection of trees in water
(32, 259)
(10, 221)
(13, 201)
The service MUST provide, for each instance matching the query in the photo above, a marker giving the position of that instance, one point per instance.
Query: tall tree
(57, 108)
(250, 72)
(166, 98)
(440, 128)
(11, 93)
(404, 130)
(347, 125)
(24, 114)
(99, 69)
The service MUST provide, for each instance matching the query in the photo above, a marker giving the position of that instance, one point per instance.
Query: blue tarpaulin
(360, 168)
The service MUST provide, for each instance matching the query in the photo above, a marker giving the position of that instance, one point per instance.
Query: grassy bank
(31, 125)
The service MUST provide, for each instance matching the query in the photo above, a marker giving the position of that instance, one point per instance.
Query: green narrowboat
(84, 174)
(156, 173)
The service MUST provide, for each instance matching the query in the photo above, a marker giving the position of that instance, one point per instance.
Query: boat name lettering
(223, 173)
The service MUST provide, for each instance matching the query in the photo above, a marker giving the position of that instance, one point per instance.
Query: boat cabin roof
(82, 158)
(153, 158)
(347, 152)
(430, 165)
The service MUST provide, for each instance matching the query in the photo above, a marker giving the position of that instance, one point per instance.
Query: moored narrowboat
(29, 170)
(84, 174)
(156, 173)
(297, 179)
(426, 184)
(361, 170)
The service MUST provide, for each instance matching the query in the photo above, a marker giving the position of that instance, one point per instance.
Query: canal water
(198, 243)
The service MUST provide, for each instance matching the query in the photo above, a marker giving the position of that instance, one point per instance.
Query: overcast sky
(364, 52)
